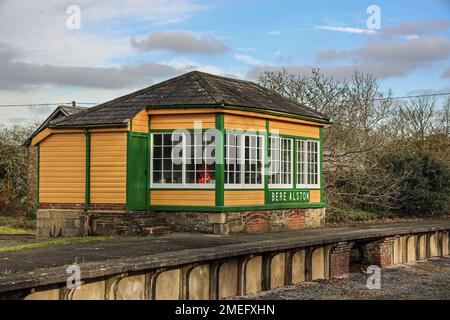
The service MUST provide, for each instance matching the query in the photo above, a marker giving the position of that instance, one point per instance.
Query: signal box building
(246, 160)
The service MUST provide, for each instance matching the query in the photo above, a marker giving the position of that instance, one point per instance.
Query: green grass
(16, 225)
(53, 242)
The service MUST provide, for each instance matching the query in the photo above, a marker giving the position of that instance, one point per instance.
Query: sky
(54, 51)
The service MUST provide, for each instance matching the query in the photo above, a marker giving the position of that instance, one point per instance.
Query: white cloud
(181, 42)
(275, 32)
(409, 30)
(248, 60)
(38, 28)
(346, 29)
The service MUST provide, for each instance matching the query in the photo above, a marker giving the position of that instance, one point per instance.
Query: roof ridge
(209, 88)
(265, 89)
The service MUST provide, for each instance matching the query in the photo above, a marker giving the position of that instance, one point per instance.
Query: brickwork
(112, 219)
(340, 259)
(107, 207)
(380, 252)
(64, 206)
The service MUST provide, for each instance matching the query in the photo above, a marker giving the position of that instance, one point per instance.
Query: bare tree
(419, 117)
(355, 144)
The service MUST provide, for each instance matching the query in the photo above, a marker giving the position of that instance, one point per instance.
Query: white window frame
(319, 160)
(283, 185)
(182, 185)
(241, 163)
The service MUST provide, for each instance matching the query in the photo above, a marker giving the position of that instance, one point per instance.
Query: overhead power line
(95, 103)
(47, 104)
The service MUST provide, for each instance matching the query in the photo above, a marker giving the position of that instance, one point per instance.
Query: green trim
(127, 205)
(246, 131)
(266, 164)
(87, 197)
(237, 208)
(149, 161)
(321, 166)
(220, 166)
(249, 109)
(296, 137)
(171, 130)
(183, 189)
(131, 125)
(139, 134)
(294, 163)
(38, 173)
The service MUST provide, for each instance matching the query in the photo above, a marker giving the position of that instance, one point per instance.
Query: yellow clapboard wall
(140, 122)
(182, 121)
(237, 122)
(182, 197)
(108, 167)
(294, 129)
(314, 196)
(243, 197)
(62, 168)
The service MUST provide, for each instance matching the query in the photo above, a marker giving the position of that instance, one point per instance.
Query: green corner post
(149, 162)
(220, 163)
(321, 165)
(266, 164)
(294, 164)
(127, 197)
(87, 199)
(38, 173)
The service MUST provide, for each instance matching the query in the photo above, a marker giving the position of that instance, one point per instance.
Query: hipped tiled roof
(191, 89)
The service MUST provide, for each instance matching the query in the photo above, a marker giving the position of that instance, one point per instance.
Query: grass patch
(53, 242)
(13, 230)
(16, 225)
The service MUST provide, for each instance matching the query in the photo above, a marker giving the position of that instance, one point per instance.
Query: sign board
(288, 196)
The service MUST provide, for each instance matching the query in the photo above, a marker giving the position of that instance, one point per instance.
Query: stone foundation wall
(71, 220)
(244, 221)
(61, 223)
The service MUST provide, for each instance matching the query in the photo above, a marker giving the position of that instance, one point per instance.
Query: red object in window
(204, 173)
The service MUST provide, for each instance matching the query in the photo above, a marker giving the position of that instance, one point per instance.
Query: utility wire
(95, 103)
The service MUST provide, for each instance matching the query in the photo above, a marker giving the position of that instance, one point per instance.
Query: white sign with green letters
(287, 196)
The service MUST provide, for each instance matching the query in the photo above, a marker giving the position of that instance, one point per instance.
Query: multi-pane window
(281, 162)
(183, 159)
(244, 158)
(308, 157)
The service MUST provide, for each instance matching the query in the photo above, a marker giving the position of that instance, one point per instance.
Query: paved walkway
(192, 246)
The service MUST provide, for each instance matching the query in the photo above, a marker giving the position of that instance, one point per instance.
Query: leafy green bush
(426, 186)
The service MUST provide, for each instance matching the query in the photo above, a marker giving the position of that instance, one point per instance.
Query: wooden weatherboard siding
(237, 122)
(62, 168)
(140, 122)
(244, 198)
(182, 121)
(295, 129)
(108, 167)
(182, 197)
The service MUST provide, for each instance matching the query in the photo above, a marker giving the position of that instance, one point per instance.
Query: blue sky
(124, 45)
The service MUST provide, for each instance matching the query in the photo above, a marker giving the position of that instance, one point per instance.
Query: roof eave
(78, 126)
(225, 105)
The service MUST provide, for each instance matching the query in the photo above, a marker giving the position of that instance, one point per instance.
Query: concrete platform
(45, 266)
